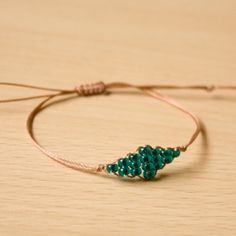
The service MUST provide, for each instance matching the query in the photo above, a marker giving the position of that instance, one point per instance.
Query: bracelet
(147, 160)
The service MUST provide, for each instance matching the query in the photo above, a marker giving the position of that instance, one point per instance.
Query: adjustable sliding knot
(90, 89)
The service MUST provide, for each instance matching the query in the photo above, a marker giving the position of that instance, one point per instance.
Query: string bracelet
(146, 161)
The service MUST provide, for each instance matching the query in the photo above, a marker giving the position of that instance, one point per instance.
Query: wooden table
(64, 43)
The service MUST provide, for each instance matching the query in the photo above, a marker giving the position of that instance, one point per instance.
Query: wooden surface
(63, 43)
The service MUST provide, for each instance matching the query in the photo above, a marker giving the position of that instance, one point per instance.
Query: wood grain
(63, 43)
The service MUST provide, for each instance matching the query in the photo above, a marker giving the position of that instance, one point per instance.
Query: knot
(90, 89)
(210, 88)
(182, 148)
(100, 168)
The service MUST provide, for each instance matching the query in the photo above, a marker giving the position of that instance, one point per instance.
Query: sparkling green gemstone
(149, 174)
(112, 168)
(123, 171)
(136, 172)
(168, 152)
(176, 153)
(123, 162)
(135, 164)
(148, 166)
(168, 159)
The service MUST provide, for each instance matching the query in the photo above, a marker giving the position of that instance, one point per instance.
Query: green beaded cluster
(144, 163)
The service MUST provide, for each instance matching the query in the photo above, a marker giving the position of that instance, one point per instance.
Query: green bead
(159, 165)
(123, 171)
(161, 159)
(120, 162)
(157, 158)
(157, 151)
(135, 157)
(146, 158)
(123, 162)
(168, 159)
(148, 167)
(130, 157)
(109, 168)
(135, 164)
(149, 174)
(176, 153)
(126, 171)
(168, 152)
(112, 168)
(141, 150)
(136, 172)
(147, 150)
(146, 175)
